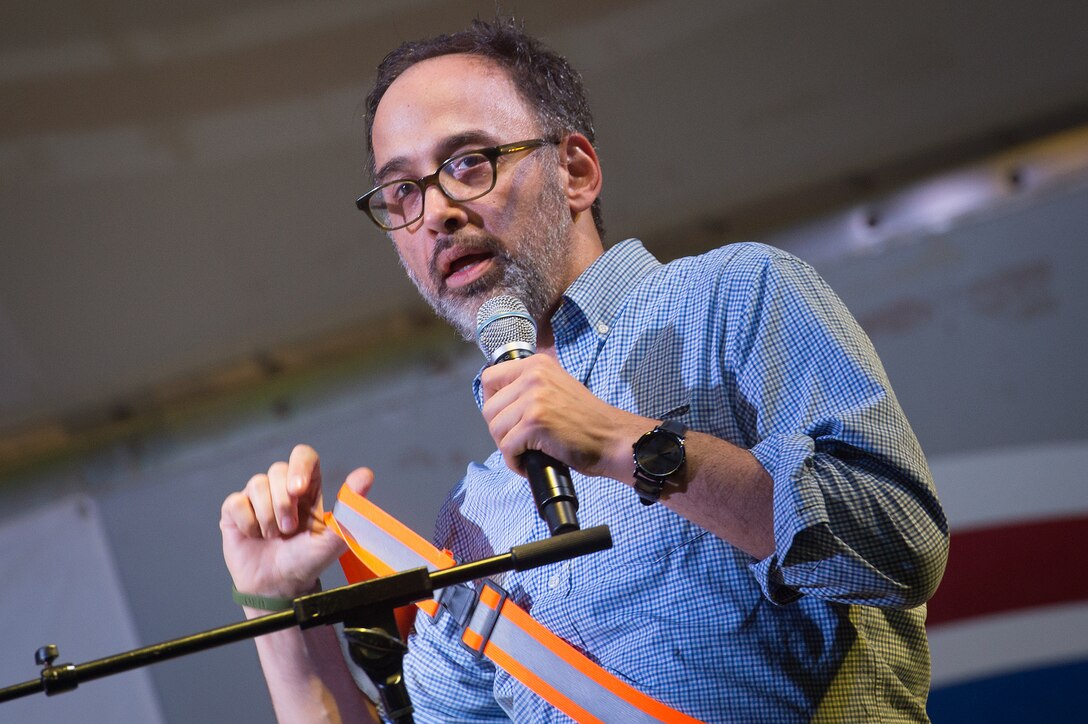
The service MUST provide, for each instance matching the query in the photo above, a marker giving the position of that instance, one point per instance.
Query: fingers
(518, 406)
(283, 516)
(510, 430)
(295, 488)
(258, 497)
(533, 404)
(237, 514)
(272, 504)
(304, 473)
(286, 498)
(497, 376)
(252, 511)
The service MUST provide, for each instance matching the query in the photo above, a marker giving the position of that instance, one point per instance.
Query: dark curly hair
(547, 83)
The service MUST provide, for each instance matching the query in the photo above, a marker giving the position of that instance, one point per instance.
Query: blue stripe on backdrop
(1038, 696)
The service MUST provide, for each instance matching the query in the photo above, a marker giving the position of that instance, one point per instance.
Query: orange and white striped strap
(494, 626)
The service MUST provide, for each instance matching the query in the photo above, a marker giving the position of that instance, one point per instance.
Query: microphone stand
(371, 600)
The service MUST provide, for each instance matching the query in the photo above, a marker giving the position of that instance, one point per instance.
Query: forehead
(441, 98)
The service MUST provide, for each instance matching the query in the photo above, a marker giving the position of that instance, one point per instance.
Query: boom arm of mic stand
(322, 608)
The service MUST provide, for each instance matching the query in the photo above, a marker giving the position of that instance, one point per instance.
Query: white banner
(58, 585)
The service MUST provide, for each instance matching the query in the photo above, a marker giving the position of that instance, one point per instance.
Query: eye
(399, 190)
(468, 166)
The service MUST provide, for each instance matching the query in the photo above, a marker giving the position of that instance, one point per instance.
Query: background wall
(981, 330)
(978, 328)
(186, 291)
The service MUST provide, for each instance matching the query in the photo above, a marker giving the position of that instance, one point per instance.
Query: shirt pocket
(654, 373)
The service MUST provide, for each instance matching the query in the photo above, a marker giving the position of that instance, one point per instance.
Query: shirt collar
(600, 291)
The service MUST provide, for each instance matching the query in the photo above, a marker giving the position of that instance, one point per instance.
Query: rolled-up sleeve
(856, 516)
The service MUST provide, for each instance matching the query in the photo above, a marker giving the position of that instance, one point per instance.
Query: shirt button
(553, 582)
(602, 328)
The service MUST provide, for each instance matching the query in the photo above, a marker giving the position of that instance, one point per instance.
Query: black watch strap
(649, 491)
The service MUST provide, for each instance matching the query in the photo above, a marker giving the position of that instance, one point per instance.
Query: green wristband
(264, 603)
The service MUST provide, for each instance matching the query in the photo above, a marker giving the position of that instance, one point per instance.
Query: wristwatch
(659, 454)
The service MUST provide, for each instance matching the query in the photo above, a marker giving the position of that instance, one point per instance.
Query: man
(777, 575)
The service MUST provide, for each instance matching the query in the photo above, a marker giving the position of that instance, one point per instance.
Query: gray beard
(534, 276)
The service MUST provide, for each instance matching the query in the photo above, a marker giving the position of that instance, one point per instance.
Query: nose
(439, 213)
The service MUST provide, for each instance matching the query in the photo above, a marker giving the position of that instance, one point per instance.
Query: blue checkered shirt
(748, 344)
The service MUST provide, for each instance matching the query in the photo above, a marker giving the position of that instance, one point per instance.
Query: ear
(583, 172)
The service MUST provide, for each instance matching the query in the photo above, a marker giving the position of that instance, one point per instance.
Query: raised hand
(275, 542)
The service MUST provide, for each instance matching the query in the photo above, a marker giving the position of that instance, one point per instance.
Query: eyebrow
(401, 164)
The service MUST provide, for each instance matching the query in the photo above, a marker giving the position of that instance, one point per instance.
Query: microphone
(505, 331)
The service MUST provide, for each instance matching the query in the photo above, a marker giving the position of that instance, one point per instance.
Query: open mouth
(465, 268)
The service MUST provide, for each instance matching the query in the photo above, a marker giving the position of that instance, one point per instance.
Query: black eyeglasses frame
(491, 153)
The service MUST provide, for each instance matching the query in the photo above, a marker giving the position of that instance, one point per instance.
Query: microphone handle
(549, 479)
(553, 491)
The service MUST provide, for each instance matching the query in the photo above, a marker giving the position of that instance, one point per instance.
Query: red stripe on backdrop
(1010, 567)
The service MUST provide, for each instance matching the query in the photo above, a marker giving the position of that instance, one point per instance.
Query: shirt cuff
(798, 506)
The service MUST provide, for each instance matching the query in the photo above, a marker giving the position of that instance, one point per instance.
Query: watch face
(659, 453)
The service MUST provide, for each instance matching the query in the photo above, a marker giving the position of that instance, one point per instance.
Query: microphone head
(504, 329)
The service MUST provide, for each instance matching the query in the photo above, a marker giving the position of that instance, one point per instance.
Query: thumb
(360, 480)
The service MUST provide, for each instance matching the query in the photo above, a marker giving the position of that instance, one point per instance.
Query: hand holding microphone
(505, 331)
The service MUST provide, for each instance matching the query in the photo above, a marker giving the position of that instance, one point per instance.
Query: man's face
(511, 241)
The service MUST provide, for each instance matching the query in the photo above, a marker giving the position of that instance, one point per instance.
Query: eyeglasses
(463, 177)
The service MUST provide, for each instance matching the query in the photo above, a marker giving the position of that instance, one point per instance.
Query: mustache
(477, 242)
